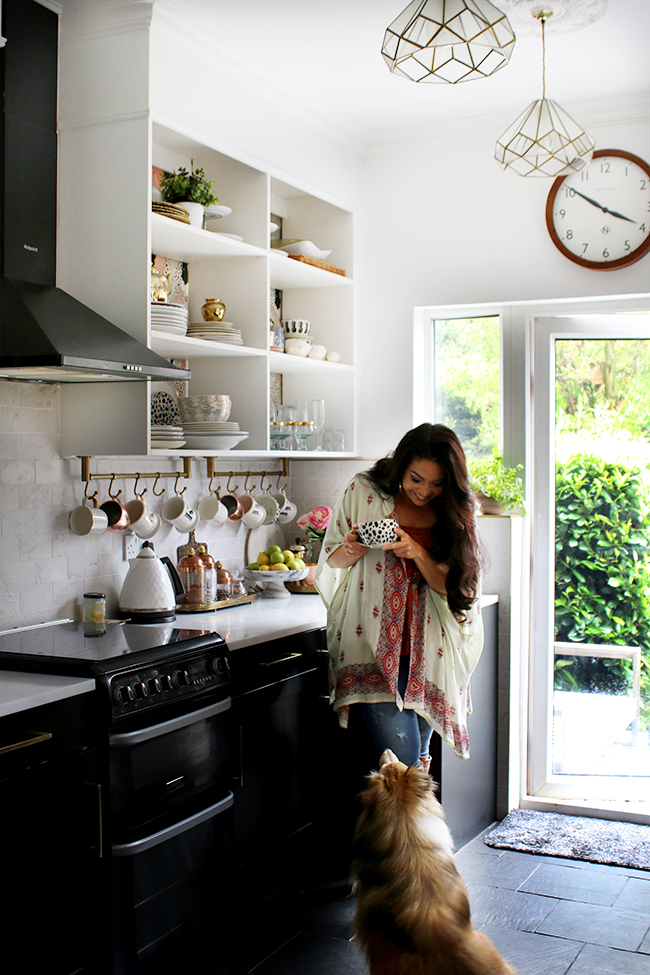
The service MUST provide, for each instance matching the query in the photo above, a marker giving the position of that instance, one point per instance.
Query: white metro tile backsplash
(45, 568)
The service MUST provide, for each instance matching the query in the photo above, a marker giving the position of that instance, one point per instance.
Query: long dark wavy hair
(456, 541)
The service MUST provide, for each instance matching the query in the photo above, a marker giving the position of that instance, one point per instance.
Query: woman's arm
(434, 573)
(348, 552)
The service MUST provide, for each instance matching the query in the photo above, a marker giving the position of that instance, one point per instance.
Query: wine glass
(318, 416)
(279, 428)
(303, 426)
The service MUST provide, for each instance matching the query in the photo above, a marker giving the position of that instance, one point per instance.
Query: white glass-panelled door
(589, 712)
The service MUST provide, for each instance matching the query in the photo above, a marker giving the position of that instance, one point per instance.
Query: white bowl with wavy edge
(302, 248)
(317, 352)
(273, 580)
(298, 346)
(375, 534)
(296, 327)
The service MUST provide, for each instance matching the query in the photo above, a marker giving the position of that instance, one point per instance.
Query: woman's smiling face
(423, 481)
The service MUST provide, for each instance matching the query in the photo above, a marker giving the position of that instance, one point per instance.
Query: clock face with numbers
(600, 217)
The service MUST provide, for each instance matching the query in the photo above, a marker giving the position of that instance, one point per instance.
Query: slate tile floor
(547, 916)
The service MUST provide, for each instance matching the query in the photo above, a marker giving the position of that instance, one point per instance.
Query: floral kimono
(366, 607)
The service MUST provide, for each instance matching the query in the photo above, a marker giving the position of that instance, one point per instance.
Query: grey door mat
(574, 837)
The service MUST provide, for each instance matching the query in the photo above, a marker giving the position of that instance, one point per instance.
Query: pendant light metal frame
(544, 140)
(448, 41)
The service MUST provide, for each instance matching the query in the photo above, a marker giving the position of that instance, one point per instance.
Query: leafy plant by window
(602, 570)
(181, 186)
(493, 479)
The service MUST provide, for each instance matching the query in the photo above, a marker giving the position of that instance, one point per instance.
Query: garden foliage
(602, 571)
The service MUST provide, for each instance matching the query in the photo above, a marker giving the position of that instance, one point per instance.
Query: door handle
(280, 660)
(15, 746)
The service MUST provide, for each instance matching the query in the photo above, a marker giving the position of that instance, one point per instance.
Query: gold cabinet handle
(38, 737)
(280, 660)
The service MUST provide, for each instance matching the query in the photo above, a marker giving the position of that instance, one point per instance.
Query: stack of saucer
(216, 332)
(166, 437)
(215, 435)
(169, 317)
(172, 210)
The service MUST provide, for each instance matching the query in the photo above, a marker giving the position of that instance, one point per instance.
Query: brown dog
(412, 911)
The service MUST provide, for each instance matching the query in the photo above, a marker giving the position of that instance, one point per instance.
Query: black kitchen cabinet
(275, 729)
(50, 828)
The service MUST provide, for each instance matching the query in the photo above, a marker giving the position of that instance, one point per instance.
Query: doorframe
(544, 791)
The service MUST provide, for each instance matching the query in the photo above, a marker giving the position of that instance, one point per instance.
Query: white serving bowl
(374, 534)
(317, 352)
(296, 327)
(298, 346)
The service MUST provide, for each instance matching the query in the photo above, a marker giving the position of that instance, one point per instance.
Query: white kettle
(151, 588)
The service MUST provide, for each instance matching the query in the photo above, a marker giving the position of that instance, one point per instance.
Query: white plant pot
(195, 211)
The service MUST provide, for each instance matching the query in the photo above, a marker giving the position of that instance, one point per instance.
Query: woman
(404, 628)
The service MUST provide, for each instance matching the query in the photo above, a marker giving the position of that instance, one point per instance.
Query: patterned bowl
(296, 327)
(214, 408)
(374, 534)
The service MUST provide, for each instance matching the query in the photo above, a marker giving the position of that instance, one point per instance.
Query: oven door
(155, 768)
(171, 889)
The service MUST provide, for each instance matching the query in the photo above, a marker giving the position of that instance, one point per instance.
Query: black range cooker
(161, 717)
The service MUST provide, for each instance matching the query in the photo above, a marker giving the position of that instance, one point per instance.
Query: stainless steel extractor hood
(46, 334)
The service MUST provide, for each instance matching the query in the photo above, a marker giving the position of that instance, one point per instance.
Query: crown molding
(84, 19)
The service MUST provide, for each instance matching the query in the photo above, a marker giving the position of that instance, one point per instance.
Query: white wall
(443, 224)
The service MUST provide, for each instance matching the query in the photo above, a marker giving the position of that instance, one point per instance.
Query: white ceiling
(323, 56)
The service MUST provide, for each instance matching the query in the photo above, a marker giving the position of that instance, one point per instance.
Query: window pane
(467, 381)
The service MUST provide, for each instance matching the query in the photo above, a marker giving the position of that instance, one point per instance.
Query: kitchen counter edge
(20, 692)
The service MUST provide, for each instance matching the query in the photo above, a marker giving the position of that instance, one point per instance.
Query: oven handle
(128, 738)
(155, 839)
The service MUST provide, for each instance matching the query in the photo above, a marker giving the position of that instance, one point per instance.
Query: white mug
(211, 509)
(254, 514)
(288, 511)
(144, 523)
(88, 521)
(271, 507)
(179, 514)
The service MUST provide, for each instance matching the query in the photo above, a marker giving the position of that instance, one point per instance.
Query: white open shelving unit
(120, 233)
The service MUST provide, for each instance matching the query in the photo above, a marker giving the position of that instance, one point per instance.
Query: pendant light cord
(543, 59)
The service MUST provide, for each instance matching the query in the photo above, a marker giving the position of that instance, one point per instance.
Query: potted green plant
(498, 489)
(190, 190)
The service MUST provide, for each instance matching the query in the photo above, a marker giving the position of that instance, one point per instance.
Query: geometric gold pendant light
(448, 41)
(544, 140)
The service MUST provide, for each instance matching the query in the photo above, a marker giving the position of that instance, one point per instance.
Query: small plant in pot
(498, 489)
(190, 190)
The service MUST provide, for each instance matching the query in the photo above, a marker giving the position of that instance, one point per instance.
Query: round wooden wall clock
(600, 217)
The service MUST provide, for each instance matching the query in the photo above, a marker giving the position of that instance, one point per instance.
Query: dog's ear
(388, 756)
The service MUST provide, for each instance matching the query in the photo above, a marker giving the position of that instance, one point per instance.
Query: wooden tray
(222, 604)
(316, 263)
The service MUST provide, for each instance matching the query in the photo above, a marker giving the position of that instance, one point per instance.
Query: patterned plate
(164, 411)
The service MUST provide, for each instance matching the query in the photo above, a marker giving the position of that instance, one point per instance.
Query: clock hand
(612, 213)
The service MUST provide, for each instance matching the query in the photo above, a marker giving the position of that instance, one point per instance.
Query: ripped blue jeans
(404, 732)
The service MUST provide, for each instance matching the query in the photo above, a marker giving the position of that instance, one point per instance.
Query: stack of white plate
(206, 435)
(166, 437)
(216, 332)
(168, 317)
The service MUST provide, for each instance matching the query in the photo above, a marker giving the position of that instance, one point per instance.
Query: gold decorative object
(213, 310)
(544, 140)
(161, 285)
(448, 41)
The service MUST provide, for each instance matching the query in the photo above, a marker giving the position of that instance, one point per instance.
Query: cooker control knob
(154, 686)
(123, 694)
(218, 666)
(140, 690)
(166, 682)
(181, 678)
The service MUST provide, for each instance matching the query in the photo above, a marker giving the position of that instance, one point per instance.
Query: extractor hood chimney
(45, 333)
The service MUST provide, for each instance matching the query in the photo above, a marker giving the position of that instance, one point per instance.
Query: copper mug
(233, 506)
(118, 517)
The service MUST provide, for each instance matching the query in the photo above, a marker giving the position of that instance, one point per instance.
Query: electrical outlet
(131, 545)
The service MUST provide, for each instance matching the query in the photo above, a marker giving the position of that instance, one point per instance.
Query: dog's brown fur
(412, 911)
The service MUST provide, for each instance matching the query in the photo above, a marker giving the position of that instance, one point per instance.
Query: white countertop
(259, 621)
(19, 692)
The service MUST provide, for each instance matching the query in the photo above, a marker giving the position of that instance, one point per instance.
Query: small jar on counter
(210, 573)
(94, 608)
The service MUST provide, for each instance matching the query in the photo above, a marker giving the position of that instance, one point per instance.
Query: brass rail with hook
(87, 476)
(252, 475)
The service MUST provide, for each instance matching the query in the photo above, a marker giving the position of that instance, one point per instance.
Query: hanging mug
(86, 520)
